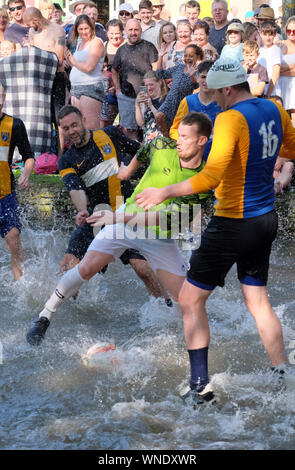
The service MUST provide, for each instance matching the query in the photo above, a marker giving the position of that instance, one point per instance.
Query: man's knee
(192, 297)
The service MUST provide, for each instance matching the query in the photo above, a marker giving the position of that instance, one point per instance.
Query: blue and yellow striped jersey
(247, 141)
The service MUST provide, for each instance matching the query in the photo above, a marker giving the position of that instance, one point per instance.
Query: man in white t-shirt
(270, 56)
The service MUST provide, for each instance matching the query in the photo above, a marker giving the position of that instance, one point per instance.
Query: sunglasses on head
(290, 31)
(20, 7)
(124, 13)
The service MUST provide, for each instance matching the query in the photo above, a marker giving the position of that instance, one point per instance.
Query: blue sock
(199, 368)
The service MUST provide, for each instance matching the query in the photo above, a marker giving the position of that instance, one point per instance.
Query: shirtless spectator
(50, 37)
(17, 32)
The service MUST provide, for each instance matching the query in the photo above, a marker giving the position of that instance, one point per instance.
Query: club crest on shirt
(106, 149)
(5, 136)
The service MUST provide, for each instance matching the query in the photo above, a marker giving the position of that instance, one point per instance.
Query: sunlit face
(202, 79)
(84, 31)
(250, 57)
(190, 56)
(192, 14)
(16, 10)
(47, 12)
(3, 22)
(234, 37)
(74, 130)
(168, 34)
(200, 37)
(79, 9)
(133, 31)
(219, 12)
(146, 15)
(92, 13)
(153, 87)
(188, 144)
(267, 38)
(56, 16)
(290, 30)
(115, 35)
(184, 33)
(124, 16)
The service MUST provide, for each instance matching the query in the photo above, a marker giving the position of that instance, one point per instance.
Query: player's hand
(150, 197)
(81, 217)
(23, 181)
(97, 219)
(123, 173)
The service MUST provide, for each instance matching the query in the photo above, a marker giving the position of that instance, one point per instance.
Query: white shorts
(161, 254)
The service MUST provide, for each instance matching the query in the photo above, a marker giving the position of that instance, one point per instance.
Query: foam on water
(49, 399)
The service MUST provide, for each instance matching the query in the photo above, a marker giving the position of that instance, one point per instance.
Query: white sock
(67, 286)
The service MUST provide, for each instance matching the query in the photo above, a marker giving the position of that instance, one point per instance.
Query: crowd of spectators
(138, 68)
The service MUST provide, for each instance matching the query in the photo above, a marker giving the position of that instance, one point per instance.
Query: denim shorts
(95, 91)
(127, 111)
(9, 214)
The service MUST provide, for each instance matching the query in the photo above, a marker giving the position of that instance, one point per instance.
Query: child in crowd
(167, 39)
(257, 74)
(270, 56)
(234, 40)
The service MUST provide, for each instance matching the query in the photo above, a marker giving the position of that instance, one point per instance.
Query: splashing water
(49, 399)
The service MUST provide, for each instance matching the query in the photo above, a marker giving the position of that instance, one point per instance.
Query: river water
(50, 400)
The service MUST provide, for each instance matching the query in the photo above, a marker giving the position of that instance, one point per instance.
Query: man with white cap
(248, 136)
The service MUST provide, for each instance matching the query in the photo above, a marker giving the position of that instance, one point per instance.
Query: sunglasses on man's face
(20, 7)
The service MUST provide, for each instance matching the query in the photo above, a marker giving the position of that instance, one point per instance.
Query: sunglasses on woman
(290, 31)
(124, 13)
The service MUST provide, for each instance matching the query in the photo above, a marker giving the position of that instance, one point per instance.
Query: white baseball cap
(225, 72)
(126, 7)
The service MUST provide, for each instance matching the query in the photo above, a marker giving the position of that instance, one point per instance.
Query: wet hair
(199, 52)
(66, 110)
(201, 120)
(205, 66)
(242, 86)
(152, 74)
(161, 31)
(115, 23)
(79, 20)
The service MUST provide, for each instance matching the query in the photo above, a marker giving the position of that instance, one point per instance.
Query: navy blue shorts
(9, 214)
(227, 241)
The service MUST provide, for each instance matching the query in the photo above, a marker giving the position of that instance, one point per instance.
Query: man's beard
(83, 138)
